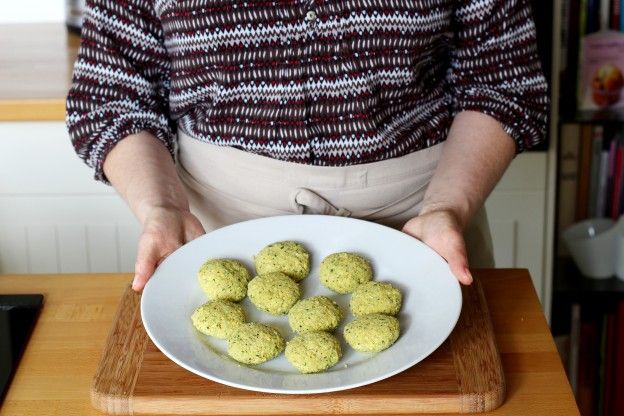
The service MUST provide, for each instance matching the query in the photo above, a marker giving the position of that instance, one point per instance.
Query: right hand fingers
(151, 252)
(165, 231)
(147, 258)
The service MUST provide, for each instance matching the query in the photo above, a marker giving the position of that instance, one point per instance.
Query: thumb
(460, 270)
(147, 259)
(454, 252)
(193, 228)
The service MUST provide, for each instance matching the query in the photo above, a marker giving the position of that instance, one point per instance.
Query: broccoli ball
(372, 333)
(254, 343)
(313, 352)
(274, 293)
(288, 257)
(343, 272)
(318, 313)
(224, 279)
(218, 318)
(375, 297)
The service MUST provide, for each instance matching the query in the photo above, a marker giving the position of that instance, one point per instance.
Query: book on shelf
(592, 54)
(604, 14)
(594, 169)
(610, 177)
(584, 172)
(589, 364)
(568, 177)
(593, 16)
(575, 340)
(591, 173)
(618, 363)
(601, 367)
(583, 12)
(616, 192)
(596, 358)
(615, 21)
(564, 36)
(601, 69)
(611, 330)
(569, 41)
(601, 200)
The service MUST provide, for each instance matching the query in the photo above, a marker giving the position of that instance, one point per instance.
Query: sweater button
(310, 15)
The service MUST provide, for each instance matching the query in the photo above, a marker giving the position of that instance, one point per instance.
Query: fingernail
(135, 281)
(468, 275)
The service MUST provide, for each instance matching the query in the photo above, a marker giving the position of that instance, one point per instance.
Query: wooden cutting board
(464, 375)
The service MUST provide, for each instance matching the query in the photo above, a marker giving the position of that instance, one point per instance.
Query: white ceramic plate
(431, 304)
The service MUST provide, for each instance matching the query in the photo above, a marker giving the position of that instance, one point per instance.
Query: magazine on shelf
(601, 75)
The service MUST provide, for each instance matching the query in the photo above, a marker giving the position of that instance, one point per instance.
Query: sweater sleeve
(495, 69)
(120, 83)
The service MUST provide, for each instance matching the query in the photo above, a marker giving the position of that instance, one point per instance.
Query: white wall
(30, 11)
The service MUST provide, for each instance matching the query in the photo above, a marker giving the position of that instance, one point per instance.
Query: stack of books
(591, 172)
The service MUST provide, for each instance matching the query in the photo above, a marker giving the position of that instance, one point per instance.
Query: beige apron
(226, 185)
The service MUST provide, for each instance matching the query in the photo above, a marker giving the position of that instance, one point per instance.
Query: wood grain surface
(463, 376)
(116, 376)
(36, 62)
(55, 374)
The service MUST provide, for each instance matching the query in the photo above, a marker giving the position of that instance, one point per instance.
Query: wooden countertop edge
(91, 300)
(32, 109)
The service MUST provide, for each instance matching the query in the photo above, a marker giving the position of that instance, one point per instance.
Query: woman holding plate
(406, 113)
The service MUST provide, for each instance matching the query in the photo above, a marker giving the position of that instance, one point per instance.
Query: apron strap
(305, 201)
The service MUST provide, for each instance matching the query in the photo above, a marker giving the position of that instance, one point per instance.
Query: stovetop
(18, 314)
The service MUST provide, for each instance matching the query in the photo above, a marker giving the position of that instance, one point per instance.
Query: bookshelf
(572, 286)
(588, 143)
(592, 116)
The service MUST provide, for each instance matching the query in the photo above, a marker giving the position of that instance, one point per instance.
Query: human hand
(441, 230)
(164, 230)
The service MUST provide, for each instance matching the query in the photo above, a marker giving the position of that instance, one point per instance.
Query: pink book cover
(602, 71)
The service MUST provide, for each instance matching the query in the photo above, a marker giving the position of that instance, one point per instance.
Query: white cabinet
(55, 218)
(517, 214)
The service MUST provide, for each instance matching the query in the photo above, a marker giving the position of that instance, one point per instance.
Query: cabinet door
(53, 216)
(517, 211)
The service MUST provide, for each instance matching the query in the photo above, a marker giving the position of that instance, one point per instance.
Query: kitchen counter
(55, 373)
(36, 62)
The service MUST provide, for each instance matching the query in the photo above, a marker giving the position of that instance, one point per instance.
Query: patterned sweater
(321, 82)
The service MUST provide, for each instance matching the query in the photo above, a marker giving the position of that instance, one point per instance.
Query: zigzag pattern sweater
(321, 82)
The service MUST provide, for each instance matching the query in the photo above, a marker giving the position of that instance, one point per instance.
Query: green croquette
(274, 293)
(255, 343)
(288, 257)
(313, 352)
(318, 313)
(343, 272)
(224, 279)
(375, 297)
(372, 333)
(218, 318)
